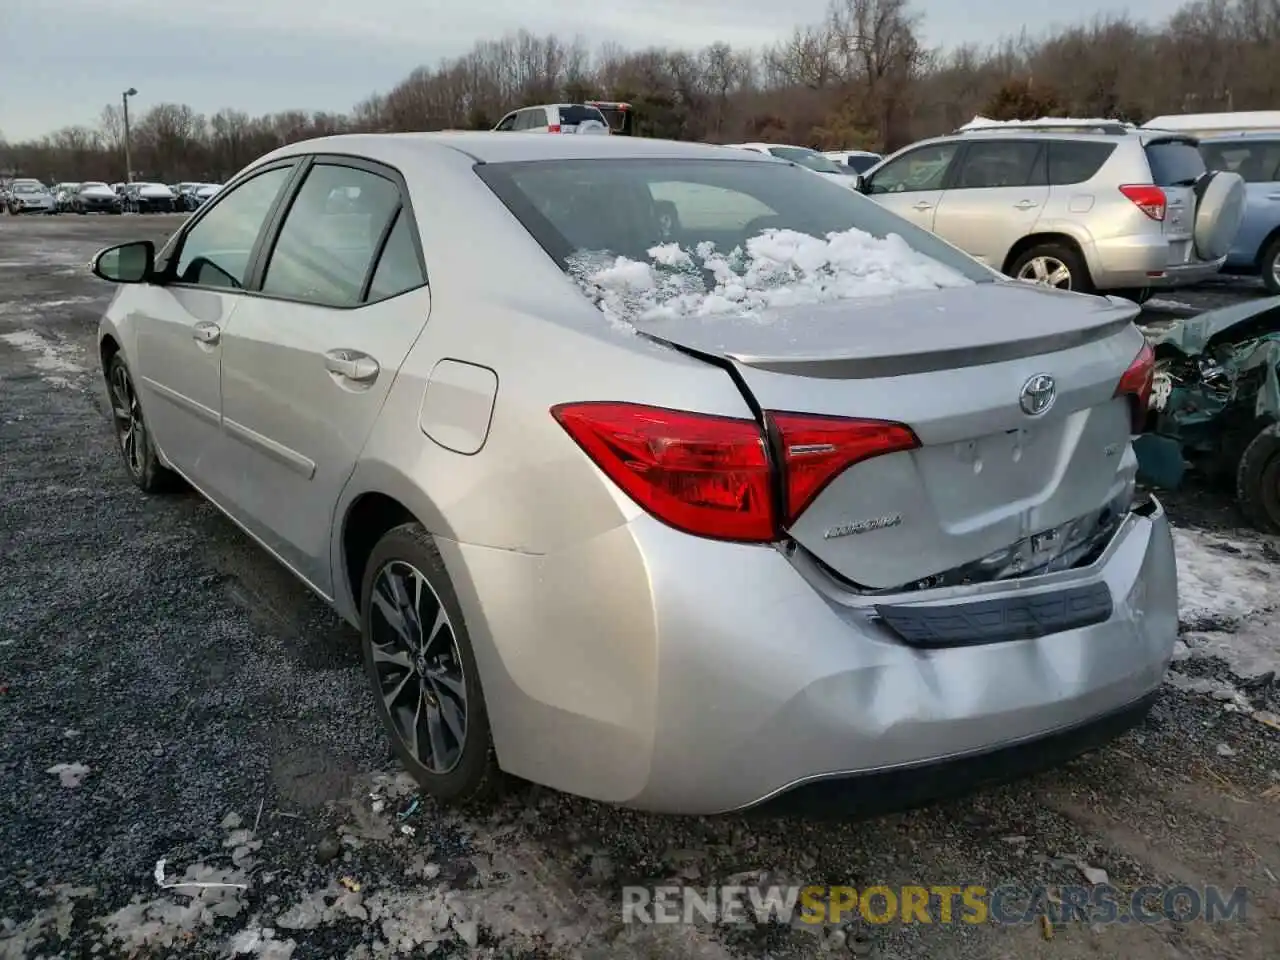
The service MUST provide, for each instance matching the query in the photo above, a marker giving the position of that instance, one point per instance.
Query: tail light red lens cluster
(1136, 385)
(1150, 199)
(715, 476)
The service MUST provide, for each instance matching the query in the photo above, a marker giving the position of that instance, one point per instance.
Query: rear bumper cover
(671, 673)
(1137, 262)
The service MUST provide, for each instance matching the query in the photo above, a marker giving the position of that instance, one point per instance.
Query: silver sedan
(665, 474)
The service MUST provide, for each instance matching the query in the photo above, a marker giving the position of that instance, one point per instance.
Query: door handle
(1025, 205)
(1273, 196)
(352, 365)
(922, 206)
(206, 332)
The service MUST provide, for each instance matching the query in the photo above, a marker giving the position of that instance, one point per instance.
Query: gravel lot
(168, 693)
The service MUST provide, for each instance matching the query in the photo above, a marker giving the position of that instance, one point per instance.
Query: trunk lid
(951, 364)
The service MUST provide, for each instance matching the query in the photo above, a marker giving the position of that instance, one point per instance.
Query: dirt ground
(168, 693)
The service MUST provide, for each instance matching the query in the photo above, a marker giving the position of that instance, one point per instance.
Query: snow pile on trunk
(778, 268)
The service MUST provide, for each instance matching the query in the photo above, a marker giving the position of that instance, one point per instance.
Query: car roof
(1243, 135)
(491, 147)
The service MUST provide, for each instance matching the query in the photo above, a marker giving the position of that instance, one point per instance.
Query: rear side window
(330, 236)
(1001, 163)
(1256, 161)
(399, 268)
(1075, 161)
(531, 119)
(1174, 163)
(576, 114)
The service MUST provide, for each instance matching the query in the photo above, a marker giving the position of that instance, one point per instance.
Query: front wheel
(132, 435)
(1053, 265)
(418, 658)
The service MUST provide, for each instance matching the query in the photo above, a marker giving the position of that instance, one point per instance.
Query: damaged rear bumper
(711, 676)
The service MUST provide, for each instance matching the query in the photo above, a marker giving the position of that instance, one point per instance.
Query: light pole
(128, 161)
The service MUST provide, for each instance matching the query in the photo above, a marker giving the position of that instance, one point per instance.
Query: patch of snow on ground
(1220, 579)
(53, 358)
(1224, 596)
(778, 268)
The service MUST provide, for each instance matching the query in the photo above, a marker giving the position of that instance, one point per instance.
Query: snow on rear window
(777, 269)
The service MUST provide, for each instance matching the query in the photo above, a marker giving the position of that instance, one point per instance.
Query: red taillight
(815, 449)
(554, 128)
(1136, 385)
(712, 476)
(702, 474)
(1150, 200)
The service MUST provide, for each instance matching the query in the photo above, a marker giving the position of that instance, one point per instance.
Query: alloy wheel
(130, 428)
(1048, 271)
(418, 666)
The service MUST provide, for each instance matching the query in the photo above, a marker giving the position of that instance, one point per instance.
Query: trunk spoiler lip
(832, 365)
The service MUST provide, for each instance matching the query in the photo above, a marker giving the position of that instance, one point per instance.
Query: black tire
(473, 775)
(1069, 257)
(1138, 295)
(1258, 480)
(1269, 267)
(133, 439)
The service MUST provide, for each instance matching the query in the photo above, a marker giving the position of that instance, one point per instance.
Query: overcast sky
(62, 60)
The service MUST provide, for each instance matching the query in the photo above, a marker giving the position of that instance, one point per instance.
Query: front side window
(627, 207)
(330, 236)
(216, 252)
(507, 123)
(922, 169)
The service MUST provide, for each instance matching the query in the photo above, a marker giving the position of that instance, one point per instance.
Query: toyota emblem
(1038, 395)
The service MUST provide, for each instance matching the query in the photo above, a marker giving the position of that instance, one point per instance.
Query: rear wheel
(1053, 265)
(1269, 266)
(418, 657)
(132, 435)
(1258, 480)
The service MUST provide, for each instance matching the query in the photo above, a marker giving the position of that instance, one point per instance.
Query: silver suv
(1087, 208)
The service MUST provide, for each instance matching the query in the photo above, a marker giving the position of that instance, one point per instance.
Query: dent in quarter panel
(457, 406)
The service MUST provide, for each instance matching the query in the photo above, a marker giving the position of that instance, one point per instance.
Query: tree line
(862, 78)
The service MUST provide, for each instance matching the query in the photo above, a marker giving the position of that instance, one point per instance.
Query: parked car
(149, 198)
(1255, 158)
(555, 118)
(118, 189)
(194, 195)
(618, 564)
(64, 196)
(853, 161)
(1217, 124)
(95, 197)
(1104, 207)
(809, 159)
(29, 196)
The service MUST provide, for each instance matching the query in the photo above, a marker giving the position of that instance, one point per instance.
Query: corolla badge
(1038, 395)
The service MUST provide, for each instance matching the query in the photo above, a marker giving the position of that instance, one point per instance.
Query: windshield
(28, 188)
(94, 186)
(627, 207)
(806, 158)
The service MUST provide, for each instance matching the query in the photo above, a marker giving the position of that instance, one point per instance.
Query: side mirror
(126, 263)
(859, 183)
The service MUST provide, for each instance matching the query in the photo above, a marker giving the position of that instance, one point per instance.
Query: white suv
(1104, 207)
(555, 118)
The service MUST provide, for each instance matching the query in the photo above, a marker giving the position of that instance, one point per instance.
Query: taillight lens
(713, 476)
(1136, 385)
(702, 474)
(816, 449)
(1147, 198)
(554, 128)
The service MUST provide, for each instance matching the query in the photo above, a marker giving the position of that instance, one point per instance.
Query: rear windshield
(627, 207)
(576, 114)
(1174, 163)
(860, 164)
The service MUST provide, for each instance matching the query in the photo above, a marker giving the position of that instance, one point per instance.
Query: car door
(181, 320)
(308, 361)
(911, 184)
(998, 192)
